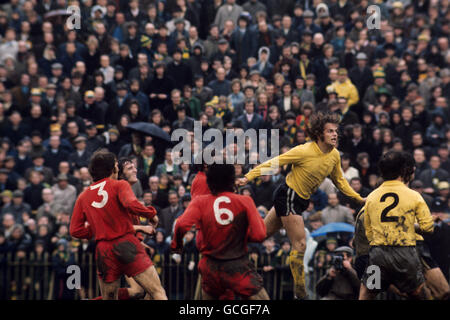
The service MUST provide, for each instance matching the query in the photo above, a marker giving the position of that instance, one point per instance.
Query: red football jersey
(199, 185)
(227, 221)
(106, 205)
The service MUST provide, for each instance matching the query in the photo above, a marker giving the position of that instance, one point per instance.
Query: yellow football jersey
(310, 166)
(390, 213)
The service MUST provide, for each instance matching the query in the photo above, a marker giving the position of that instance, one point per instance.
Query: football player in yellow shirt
(391, 211)
(311, 164)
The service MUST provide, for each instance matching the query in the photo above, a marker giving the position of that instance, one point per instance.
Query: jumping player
(390, 214)
(311, 164)
(227, 221)
(103, 210)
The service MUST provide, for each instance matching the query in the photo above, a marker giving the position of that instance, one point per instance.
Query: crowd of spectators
(256, 64)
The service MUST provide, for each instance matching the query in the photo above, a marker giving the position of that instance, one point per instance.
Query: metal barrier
(41, 278)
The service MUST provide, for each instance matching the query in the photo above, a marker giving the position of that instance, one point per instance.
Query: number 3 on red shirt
(218, 213)
(101, 193)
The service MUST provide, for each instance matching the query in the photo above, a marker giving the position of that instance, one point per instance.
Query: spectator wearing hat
(56, 130)
(117, 105)
(127, 58)
(241, 40)
(179, 70)
(340, 283)
(49, 101)
(80, 157)
(115, 143)
(89, 110)
(308, 24)
(18, 207)
(64, 193)
(436, 132)
(94, 141)
(38, 165)
(370, 99)
(361, 75)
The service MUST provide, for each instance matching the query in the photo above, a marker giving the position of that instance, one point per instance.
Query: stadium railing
(40, 279)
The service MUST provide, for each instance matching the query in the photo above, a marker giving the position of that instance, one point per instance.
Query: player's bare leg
(135, 291)
(109, 290)
(295, 229)
(436, 282)
(272, 222)
(261, 295)
(419, 293)
(206, 296)
(149, 280)
(366, 294)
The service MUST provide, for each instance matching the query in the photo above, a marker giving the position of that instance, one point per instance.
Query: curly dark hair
(317, 124)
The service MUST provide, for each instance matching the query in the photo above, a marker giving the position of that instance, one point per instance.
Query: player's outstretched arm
(132, 204)
(270, 166)
(78, 228)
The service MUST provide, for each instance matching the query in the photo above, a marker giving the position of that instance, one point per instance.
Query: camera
(337, 260)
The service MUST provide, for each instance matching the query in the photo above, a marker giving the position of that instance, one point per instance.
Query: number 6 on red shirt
(224, 211)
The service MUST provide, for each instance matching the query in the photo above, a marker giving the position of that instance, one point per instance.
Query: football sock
(298, 273)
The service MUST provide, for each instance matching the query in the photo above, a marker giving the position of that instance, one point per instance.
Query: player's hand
(363, 201)
(242, 181)
(154, 221)
(147, 229)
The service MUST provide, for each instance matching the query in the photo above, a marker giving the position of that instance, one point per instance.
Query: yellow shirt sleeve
(423, 216)
(341, 183)
(270, 166)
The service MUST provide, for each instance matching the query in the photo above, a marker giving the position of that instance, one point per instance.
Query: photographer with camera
(341, 281)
